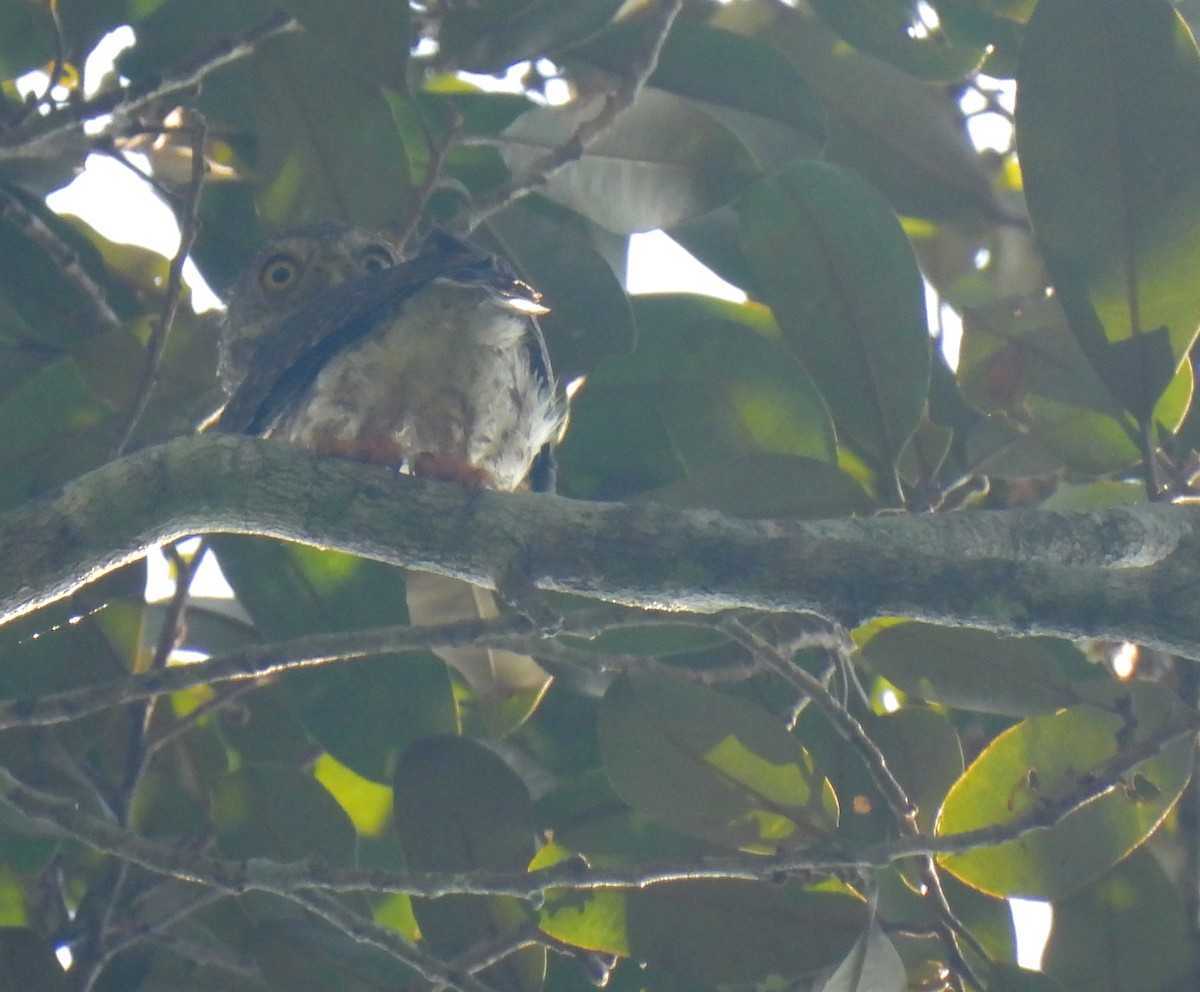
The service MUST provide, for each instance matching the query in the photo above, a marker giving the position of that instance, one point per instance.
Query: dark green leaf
(977, 670)
(172, 33)
(364, 712)
(28, 964)
(711, 766)
(894, 30)
(491, 35)
(1108, 139)
(307, 955)
(1127, 931)
(905, 136)
(769, 486)
(722, 69)
(840, 276)
(458, 807)
(369, 38)
(660, 162)
(708, 381)
(328, 147)
(713, 932)
(274, 812)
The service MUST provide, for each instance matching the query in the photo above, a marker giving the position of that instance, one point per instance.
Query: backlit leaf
(1108, 139)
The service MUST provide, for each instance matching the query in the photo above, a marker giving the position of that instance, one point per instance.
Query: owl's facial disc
(283, 270)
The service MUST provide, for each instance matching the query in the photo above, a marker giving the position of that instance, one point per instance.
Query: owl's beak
(333, 272)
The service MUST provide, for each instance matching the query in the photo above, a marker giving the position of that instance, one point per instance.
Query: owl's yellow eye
(279, 272)
(376, 259)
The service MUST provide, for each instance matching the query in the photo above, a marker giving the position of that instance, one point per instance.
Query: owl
(432, 365)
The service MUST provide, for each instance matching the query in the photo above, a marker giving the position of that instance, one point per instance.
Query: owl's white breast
(446, 372)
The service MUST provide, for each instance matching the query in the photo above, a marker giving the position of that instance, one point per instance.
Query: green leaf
(893, 30)
(169, 34)
(709, 381)
(328, 147)
(721, 70)
(769, 486)
(1108, 139)
(26, 38)
(459, 807)
(592, 920)
(272, 811)
(903, 135)
(840, 276)
(661, 161)
(977, 670)
(491, 35)
(1127, 931)
(28, 963)
(364, 712)
(873, 965)
(712, 766)
(308, 955)
(369, 38)
(922, 750)
(1045, 760)
(726, 931)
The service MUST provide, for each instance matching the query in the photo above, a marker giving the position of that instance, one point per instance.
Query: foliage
(734, 801)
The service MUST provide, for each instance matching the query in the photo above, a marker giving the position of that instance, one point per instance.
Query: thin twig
(511, 632)
(156, 932)
(64, 256)
(661, 16)
(853, 732)
(60, 57)
(363, 930)
(904, 811)
(63, 817)
(439, 148)
(187, 216)
(193, 717)
(124, 102)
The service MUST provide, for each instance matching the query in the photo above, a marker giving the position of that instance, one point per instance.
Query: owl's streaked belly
(447, 375)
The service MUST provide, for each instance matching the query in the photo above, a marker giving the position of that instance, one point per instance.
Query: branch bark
(1127, 573)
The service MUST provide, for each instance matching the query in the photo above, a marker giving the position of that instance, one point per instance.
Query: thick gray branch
(1126, 573)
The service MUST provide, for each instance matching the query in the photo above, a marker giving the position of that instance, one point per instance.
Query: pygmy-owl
(436, 363)
(433, 364)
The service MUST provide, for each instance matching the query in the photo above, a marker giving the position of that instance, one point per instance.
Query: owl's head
(286, 275)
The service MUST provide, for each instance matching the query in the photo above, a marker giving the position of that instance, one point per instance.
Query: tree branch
(510, 632)
(1127, 573)
(40, 136)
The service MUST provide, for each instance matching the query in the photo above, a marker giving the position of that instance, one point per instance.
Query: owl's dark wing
(289, 356)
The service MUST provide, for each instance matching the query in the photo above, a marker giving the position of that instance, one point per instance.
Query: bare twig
(904, 811)
(439, 148)
(363, 930)
(187, 215)
(60, 56)
(150, 931)
(63, 817)
(659, 20)
(510, 632)
(64, 256)
(32, 138)
(853, 732)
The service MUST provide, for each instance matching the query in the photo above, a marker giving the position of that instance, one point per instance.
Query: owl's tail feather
(506, 686)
